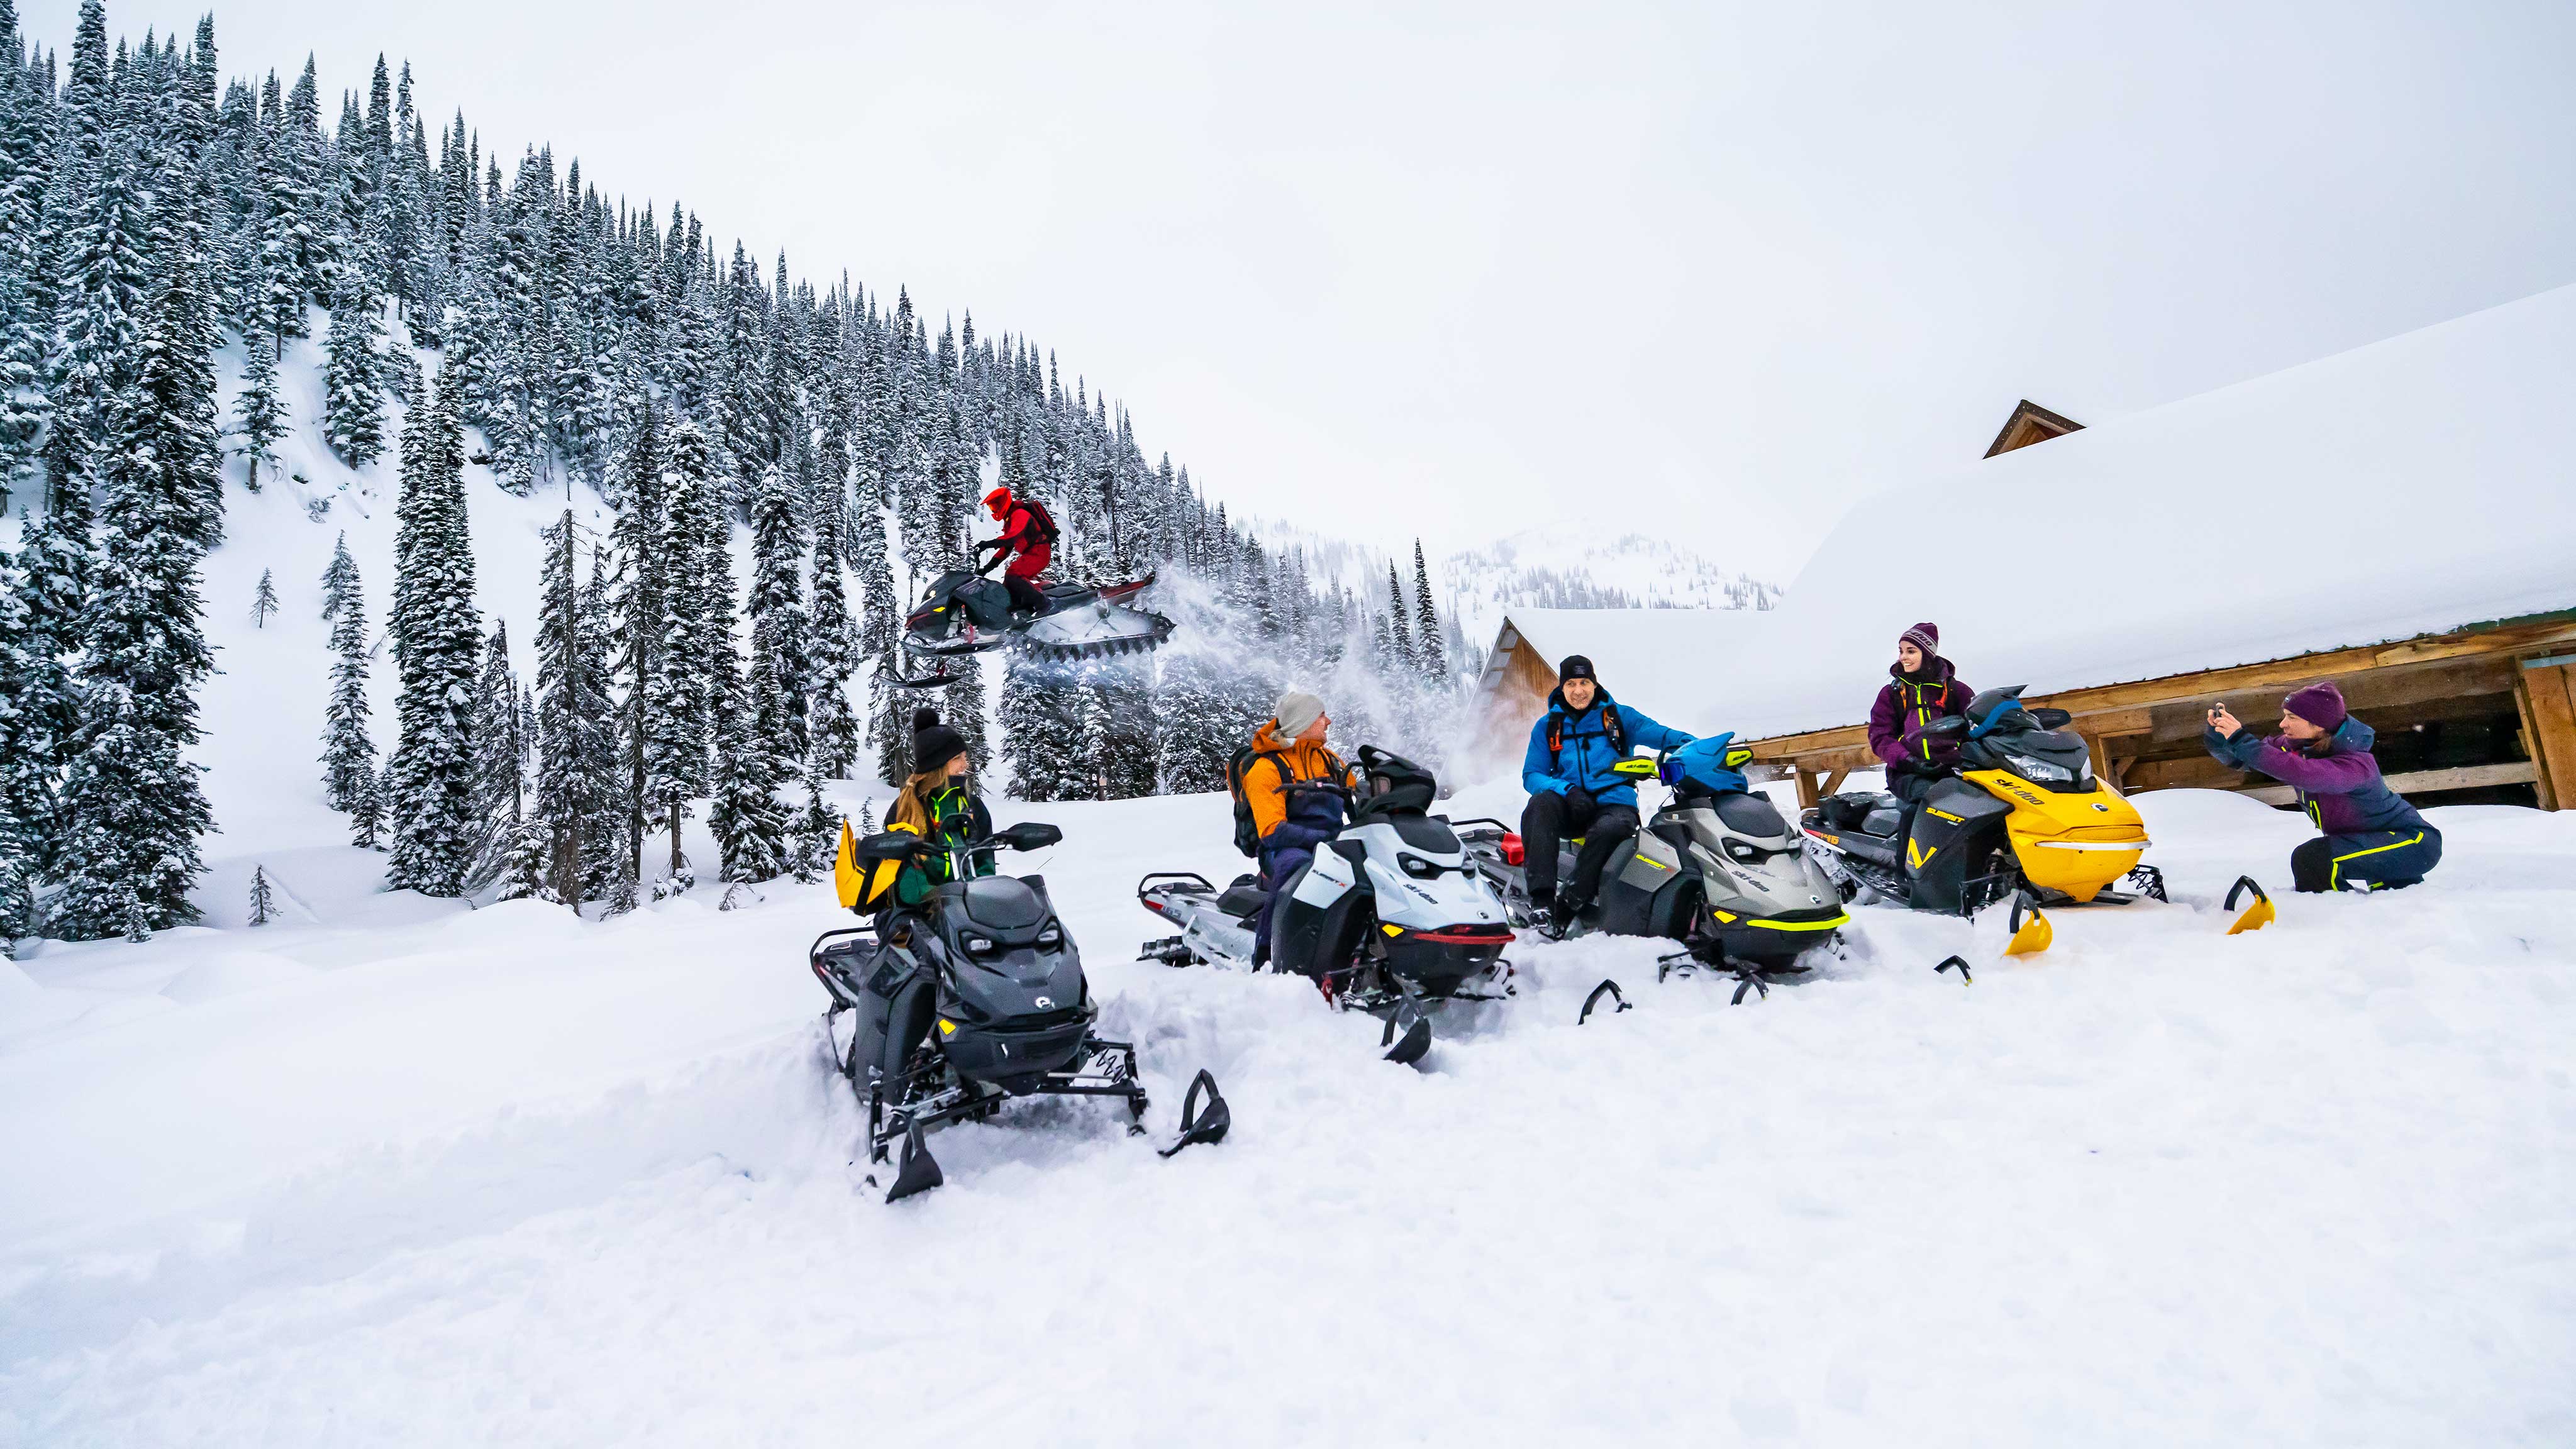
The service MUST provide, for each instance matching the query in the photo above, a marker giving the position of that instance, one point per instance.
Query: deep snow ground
(428, 1176)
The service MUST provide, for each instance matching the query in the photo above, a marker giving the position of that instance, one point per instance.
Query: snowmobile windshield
(2057, 760)
(1748, 814)
(1422, 832)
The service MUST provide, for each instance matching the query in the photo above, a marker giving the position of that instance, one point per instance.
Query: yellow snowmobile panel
(2074, 843)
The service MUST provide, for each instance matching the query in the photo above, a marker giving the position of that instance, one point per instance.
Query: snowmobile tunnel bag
(986, 602)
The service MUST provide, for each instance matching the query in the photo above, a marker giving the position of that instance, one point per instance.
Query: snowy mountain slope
(504, 1177)
(1573, 567)
(1594, 568)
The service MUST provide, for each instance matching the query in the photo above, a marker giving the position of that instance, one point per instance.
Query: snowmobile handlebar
(898, 845)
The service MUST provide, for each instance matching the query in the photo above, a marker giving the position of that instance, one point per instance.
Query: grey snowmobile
(970, 999)
(1390, 919)
(964, 612)
(1717, 868)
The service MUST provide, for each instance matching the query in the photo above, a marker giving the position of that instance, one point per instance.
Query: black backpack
(1611, 725)
(1247, 834)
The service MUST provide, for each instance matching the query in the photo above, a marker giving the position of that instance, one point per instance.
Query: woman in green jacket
(937, 805)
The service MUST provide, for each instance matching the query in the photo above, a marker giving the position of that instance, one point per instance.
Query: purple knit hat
(2320, 704)
(1926, 637)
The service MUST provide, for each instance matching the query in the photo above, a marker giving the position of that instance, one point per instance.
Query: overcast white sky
(1464, 270)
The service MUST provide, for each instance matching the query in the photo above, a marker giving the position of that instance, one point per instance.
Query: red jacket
(1020, 533)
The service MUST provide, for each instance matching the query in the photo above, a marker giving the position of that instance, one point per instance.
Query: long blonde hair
(911, 808)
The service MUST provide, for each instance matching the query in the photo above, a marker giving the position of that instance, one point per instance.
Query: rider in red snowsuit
(1025, 531)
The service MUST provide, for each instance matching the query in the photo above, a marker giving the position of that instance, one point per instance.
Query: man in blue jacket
(1573, 792)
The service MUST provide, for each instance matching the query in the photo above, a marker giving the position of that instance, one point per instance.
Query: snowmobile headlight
(976, 945)
(2031, 769)
(1415, 866)
(1742, 853)
(1051, 938)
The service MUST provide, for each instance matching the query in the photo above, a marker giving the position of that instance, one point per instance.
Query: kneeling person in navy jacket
(2373, 839)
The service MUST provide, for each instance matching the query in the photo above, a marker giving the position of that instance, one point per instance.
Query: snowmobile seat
(1887, 821)
(1241, 900)
(1751, 814)
(1852, 809)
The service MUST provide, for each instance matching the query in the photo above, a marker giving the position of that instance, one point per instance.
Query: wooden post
(1833, 783)
(1806, 788)
(2102, 768)
(2552, 714)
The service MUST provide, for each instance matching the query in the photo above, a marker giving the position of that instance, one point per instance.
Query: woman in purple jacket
(2373, 839)
(1921, 689)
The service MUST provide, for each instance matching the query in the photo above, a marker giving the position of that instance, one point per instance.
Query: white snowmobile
(972, 998)
(1391, 919)
(964, 612)
(1717, 868)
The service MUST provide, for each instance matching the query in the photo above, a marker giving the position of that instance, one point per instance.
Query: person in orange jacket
(1028, 531)
(1287, 750)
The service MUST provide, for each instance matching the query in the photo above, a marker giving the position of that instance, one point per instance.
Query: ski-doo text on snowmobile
(1391, 918)
(2025, 813)
(971, 998)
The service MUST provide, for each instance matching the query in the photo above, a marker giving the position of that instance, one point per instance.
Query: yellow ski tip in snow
(2255, 916)
(2031, 937)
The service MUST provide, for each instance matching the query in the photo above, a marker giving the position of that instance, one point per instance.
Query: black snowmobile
(972, 998)
(1390, 919)
(964, 612)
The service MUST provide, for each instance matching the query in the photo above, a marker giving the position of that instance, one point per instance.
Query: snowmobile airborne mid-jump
(964, 612)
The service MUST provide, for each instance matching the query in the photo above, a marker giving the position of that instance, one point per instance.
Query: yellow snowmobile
(2024, 816)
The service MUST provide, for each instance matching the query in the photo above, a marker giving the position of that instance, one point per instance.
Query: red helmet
(999, 501)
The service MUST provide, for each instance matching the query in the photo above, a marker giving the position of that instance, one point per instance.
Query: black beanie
(1576, 667)
(933, 744)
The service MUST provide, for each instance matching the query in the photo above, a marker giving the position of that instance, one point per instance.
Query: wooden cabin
(2400, 519)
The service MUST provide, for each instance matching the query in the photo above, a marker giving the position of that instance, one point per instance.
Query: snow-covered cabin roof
(2413, 486)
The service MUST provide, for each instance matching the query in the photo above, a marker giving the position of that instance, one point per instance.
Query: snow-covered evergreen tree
(749, 823)
(132, 805)
(339, 581)
(1042, 730)
(260, 411)
(1431, 657)
(435, 637)
(353, 409)
(348, 755)
(263, 899)
(576, 744)
(777, 609)
(832, 725)
(264, 601)
(678, 731)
